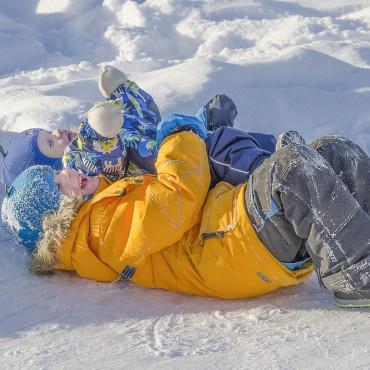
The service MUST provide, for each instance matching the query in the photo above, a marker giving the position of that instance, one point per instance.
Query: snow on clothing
(32, 193)
(24, 146)
(166, 232)
(314, 201)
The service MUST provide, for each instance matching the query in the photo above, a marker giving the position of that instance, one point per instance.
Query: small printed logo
(263, 277)
(331, 254)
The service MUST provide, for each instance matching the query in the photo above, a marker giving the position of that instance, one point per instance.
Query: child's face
(70, 182)
(52, 144)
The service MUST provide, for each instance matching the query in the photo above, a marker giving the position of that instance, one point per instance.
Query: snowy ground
(302, 64)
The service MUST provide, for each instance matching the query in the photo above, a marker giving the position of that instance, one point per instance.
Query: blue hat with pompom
(32, 195)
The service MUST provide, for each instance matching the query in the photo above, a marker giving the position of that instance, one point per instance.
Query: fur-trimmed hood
(56, 227)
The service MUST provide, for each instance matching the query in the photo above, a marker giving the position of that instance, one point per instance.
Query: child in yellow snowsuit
(166, 232)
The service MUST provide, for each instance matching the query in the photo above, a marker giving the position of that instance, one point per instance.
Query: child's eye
(59, 188)
(50, 143)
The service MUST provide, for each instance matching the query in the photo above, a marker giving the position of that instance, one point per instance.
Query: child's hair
(23, 152)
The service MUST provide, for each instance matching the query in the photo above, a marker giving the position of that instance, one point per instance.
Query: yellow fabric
(176, 236)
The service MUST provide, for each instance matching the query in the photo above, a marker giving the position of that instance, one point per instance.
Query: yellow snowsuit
(166, 232)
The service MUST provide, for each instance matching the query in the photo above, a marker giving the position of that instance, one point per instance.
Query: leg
(233, 155)
(297, 203)
(350, 163)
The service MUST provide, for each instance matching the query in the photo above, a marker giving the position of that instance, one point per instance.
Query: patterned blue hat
(23, 152)
(32, 195)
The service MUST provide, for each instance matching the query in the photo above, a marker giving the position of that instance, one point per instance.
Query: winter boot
(360, 298)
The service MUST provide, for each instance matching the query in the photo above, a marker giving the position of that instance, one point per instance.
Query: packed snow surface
(288, 64)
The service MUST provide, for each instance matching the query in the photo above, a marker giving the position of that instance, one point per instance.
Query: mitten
(105, 118)
(110, 79)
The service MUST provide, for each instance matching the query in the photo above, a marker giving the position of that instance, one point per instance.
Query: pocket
(220, 212)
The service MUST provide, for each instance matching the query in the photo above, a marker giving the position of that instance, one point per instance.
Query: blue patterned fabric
(139, 125)
(133, 151)
(93, 154)
(32, 195)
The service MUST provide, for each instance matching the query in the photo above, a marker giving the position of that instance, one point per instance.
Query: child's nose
(57, 132)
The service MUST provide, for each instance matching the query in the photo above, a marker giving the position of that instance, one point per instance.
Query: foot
(355, 299)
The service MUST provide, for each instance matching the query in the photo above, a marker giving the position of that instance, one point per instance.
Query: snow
(288, 64)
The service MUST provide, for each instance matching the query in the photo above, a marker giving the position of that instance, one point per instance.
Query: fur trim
(56, 227)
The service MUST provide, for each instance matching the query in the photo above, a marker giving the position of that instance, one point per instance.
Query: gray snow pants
(314, 201)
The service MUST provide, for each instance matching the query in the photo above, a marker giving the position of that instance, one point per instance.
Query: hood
(56, 227)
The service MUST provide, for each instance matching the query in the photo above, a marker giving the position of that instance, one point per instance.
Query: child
(166, 232)
(34, 146)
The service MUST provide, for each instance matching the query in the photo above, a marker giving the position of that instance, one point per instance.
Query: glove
(289, 137)
(177, 123)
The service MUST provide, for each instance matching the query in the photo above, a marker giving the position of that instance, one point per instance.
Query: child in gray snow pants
(314, 202)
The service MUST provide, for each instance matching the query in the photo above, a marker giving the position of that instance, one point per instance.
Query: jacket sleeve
(173, 203)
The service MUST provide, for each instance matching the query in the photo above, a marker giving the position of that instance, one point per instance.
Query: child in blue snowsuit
(128, 147)
(233, 154)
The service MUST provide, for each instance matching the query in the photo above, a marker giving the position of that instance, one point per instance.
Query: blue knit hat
(32, 195)
(23, 152)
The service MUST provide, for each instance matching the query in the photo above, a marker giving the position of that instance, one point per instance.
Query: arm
(173, 203)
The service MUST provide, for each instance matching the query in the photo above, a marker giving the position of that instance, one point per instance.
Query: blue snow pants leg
(233, 155)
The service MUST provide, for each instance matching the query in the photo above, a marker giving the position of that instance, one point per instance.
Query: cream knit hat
(105, 118)
(110, 79)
